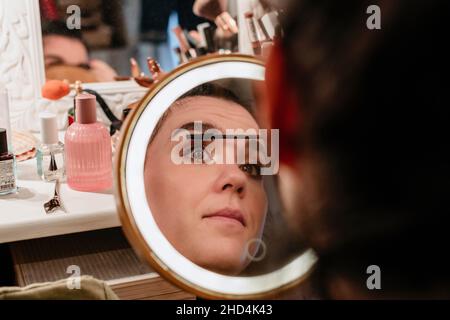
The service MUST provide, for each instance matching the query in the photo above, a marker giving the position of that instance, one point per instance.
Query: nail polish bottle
(4, 115)
(50, 153)
(7, 166)
(88, 149)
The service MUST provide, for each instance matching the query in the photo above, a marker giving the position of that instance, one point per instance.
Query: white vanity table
(22, 216)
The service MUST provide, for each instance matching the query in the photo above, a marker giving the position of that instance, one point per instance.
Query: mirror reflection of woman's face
(208, 212)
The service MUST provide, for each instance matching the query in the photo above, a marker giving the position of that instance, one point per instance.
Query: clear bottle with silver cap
(50, 153)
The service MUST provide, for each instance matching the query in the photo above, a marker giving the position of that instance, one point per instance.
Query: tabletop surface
(22, 215)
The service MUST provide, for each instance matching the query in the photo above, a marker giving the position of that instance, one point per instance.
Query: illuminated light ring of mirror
(137, 201)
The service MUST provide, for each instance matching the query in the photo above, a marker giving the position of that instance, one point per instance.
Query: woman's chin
(225, 268)
(224, 259)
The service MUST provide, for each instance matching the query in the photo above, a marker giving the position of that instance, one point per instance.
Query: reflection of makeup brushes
(192, 38)
(184, 44)
(181, 56)
(196, 41)
(135, 69)
(144, 81)
(155, 69)
(206, 32)
(137, 75)
(252, 33)
(269, 23)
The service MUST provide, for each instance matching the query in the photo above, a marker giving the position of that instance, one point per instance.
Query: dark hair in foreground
(375, 111)
(215, 90)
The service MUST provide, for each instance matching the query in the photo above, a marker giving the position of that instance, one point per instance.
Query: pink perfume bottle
(88, 149)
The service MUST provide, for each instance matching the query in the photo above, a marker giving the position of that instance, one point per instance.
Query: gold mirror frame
(125, 213)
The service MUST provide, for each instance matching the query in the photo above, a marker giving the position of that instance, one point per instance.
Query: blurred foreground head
(363, 117)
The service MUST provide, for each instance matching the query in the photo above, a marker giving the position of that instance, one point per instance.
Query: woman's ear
(283, 104)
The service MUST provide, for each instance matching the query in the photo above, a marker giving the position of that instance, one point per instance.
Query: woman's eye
(200, 153)
(253, 170)
(197, 154)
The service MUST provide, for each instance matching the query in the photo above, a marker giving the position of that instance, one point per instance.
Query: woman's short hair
(208, 89)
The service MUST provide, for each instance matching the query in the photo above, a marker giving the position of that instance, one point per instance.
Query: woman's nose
(232, 179)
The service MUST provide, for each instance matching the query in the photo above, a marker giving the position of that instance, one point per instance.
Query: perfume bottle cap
(49, 128)
(3, 142)
(86, 108)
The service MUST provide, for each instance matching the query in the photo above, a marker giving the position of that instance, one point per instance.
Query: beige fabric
(90, 289)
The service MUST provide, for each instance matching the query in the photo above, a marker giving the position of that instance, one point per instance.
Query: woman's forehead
(222, 114)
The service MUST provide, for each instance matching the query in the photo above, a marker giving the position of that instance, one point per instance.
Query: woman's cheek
(260, 205)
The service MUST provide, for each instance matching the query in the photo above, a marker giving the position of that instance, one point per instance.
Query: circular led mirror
(196, 184)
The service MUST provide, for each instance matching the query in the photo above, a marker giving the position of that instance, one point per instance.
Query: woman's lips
(228, 214)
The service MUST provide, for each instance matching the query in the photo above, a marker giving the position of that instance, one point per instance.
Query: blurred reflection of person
(66, 56)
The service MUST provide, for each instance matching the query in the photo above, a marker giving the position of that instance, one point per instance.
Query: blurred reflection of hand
(226, 22)
(102, 71)
(209, 9)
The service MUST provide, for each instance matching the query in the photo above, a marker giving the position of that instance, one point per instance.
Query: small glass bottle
(8, 175)
(88, 149)
(50, 153)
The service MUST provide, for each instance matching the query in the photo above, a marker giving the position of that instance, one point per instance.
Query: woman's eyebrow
(205, 126)
(190, 126)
